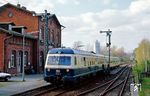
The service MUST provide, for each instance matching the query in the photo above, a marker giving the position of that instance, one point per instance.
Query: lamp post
(108, 33)
(23, 74)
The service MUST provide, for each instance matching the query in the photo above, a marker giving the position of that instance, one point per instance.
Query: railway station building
(21, 31)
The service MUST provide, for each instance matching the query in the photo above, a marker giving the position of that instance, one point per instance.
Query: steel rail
(123, 87)
(114, 80)
(122, 82)
(44, 91)
(109, 82)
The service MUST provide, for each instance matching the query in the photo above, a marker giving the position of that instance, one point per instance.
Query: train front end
(58, 67)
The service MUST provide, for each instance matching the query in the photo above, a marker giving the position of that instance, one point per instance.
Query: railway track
(112, 90)
(37, 91)
(51, 90)
(109, 86)
(73, 91)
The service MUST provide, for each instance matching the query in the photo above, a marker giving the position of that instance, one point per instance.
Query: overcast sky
(129, 20)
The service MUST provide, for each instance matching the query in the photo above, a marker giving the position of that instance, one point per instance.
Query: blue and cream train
(66, 64)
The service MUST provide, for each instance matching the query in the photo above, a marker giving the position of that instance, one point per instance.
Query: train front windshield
(59, 60)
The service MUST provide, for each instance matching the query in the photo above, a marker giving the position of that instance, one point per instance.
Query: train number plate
(57, 72)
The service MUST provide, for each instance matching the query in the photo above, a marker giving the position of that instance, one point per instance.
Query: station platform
(16, 85)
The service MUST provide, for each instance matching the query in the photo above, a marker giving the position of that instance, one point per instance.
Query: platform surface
(16, 85)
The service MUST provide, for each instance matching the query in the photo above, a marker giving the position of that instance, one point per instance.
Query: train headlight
(67, 70)
(48, 69)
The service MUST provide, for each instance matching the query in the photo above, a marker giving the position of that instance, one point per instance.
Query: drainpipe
(4, 49)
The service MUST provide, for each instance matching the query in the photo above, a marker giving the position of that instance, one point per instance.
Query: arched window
(41, 64)
(26, 58)
(52, 36)
(13, 58)
(20, 61)
(41, 33)
(48, 36)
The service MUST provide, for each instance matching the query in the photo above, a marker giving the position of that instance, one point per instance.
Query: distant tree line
(115, 51)
(142, 56)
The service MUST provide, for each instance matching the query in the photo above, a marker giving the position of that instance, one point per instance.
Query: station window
(13, 58)
(41, 34)
(26, 58)
(20, 60)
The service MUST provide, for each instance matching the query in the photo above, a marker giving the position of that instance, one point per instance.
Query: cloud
(107, 2)
(129, 26)
(2, 2)
(76, 2)
(140, 7)
(39, 5)
(36, 5)
(62, 1)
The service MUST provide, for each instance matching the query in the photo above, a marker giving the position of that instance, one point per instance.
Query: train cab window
(59, 60)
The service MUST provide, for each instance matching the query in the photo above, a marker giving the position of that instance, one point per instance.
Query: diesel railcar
(66, 64)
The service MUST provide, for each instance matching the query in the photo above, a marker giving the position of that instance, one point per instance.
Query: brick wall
(54, 32)
(17, 46)
(20, 18)
(33, 23)
(2, 36)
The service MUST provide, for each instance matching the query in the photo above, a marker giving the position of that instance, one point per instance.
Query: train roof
(69, 51)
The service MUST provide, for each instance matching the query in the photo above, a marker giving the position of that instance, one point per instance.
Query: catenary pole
(46, 33)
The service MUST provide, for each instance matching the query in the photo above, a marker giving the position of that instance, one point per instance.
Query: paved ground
(16, 85)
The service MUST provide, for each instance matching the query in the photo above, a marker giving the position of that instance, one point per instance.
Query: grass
(145, 81)
(145, 87)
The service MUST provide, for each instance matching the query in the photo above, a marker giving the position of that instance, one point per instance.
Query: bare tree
(120, 52)
(89, 47)
(103, 50)
(114, 50)
(77, 45)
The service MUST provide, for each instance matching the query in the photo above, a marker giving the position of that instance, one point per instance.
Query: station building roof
(17, 34)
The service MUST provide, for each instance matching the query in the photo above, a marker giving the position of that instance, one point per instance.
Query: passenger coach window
(75, 60)
(84, 61)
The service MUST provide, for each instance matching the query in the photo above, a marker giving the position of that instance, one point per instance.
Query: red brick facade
(15, 44)
(2, 37)
(19, 16)
(35, 47)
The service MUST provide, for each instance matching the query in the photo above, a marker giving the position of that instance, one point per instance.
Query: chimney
(9, 27)
(18, 5)
(23, 7)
